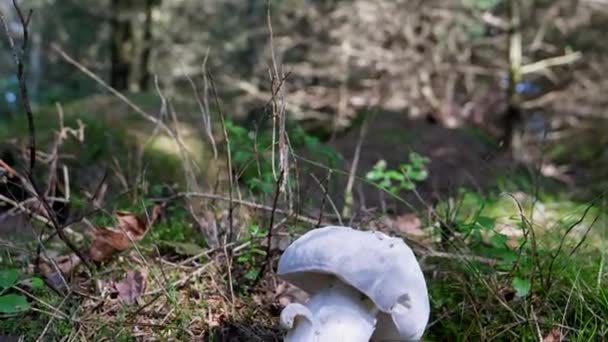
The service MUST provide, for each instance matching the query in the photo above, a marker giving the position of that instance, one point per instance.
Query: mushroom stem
(341, 313)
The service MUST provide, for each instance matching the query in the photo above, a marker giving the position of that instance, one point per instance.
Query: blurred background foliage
(445, 63)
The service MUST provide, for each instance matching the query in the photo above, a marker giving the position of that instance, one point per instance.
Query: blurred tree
(121, 44)
(131, 43)
(144, 77)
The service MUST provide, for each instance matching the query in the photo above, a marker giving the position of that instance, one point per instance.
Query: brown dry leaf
(9, 170)
(554, 336)
(64, 264)
(133, 286)
(68, 263)
(110, 240)
(286, 294)
(106, 242)
(408, 224)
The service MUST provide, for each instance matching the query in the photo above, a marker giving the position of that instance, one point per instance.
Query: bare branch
(541, 65)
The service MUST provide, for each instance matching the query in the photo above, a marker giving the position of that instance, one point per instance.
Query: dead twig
(249, 204)
(203, 106)
(348, 192)
(266, 263)
(18, 59)
(18, 56)
(551, 62)
(228, 159)
(326, 197)
(113, 91)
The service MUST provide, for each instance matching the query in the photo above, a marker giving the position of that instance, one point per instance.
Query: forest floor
(508, 254)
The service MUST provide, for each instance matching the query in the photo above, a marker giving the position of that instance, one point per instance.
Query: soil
(459, 158)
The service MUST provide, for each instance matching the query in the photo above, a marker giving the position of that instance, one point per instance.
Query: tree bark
(144, 79)
(513, 116)
(121, 45)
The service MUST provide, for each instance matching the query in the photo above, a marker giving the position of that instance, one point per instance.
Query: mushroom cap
(383, 268)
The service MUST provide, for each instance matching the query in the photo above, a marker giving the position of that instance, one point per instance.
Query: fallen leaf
(64, 263)
(8, 169)
(53, 271)
(408, 224)
(184, 248)
(132, 287)
(286, 294)
(554, 336)
(110, 240)
(68, 263)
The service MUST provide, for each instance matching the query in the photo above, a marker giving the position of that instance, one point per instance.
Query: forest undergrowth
(130, 228)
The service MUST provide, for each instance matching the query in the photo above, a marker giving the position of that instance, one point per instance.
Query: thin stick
(348, 192)
(266, 263)
(228, 159)
(325, 189)
(52, 319)
(563, 240)
(204, 109)
(18, 56)
(114, 92)
(249, 204)
(551, 62)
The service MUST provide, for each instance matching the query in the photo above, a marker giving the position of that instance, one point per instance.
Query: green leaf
(243, 258)
(508, 256)
(486, 222)
(417, 159)
(240, 156)
(405, 168)
(184, 248)
(252, 274)
(254, 230)
(418, 175)
(408, 185)
(373, 176)
(258, 251)
(261, 185)
(521, 286)
(498, 241)
(395, 175)
(156, 189)
(311, 142)
(462, 227)
(35, 283)
(386, 183)
(8, 278)
(13, 303)
(380, 165)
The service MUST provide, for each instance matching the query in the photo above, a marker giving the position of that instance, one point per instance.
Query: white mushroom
(363, 285)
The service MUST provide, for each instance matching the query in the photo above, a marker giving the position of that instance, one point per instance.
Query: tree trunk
(513, 116)
(144, 79)
(121, 45)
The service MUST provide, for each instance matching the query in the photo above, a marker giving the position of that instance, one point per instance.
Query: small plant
(249, 257)
(252, 159)
(12, 303)
(403, 178)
